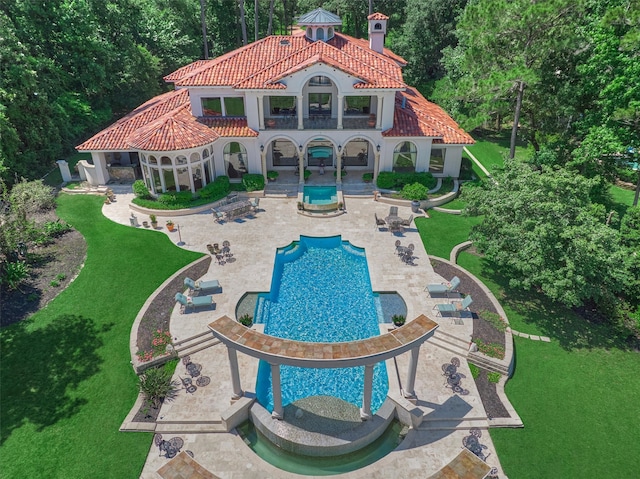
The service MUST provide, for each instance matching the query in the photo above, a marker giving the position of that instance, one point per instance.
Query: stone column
(261, 112)
(263, 160)
(235, 374)
(365, 411)
(278, 412)
(340, 110)
(300, 113)
(64, 170)
(339, 167)
(408, 392)
(379, 113)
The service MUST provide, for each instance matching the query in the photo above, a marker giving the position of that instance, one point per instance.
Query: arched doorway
(320, 153)
(283, 154)
(358, 153)
(404, 157)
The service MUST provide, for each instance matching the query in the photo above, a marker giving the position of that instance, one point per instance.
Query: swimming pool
(320, 195)
(320, 292)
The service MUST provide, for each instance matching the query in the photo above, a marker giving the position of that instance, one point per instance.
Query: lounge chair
(454, 309)
(380, 223)
(193, 302)
(198, 286)
(444, 288)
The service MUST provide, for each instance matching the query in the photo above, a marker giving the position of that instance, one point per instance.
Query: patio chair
(218, 216)
(193, 302)
(393, 211)
(380, 223)
(254, 204)
(454, 309)
(407, 222)
(198, 286)
(444, 288)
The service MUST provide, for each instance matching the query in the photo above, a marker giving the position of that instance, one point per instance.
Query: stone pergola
(366, 352)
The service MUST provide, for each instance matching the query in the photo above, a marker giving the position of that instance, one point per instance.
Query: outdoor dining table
(394, 222)
(229, 208)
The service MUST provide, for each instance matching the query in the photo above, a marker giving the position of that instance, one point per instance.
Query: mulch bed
(158, 315)
(482, 330)
(60, 262)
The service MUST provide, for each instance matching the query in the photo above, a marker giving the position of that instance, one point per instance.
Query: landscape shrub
(253, 182)
(14, 273)
(475, 370)
(156, 385)
(628, 175)
(141, 190)
(389, 180)
(176, 198)
(414, 192)
(215, 190)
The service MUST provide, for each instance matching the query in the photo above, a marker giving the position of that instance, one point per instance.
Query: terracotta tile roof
(258, 64)
(177, 130)
(226, 127)
(377, 16)
(115, 137)
(186, 70)
(420, 117)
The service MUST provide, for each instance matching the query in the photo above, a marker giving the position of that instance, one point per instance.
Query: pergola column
(300, 113)
(276, 387)
(301, 164)
(409, 392)
(339, 166)
(340, 110)
(376, 164)
(235, 373)
(263, 161)
(365, 411)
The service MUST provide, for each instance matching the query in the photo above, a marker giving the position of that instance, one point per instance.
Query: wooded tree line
(564, 75)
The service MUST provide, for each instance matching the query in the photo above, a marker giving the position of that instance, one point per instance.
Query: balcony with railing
(320, 122)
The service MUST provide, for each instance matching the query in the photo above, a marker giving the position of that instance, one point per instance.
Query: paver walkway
(425, 450)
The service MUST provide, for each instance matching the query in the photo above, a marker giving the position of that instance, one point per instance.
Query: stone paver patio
(425, 451)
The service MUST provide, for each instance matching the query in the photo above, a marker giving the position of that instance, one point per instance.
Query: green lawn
(66, 380)
(442, 231)
(492, 148)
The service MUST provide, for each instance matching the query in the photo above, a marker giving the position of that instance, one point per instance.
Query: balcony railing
(320, 122)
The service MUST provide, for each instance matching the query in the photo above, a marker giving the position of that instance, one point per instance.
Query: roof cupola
(320, 24)
(377, 31)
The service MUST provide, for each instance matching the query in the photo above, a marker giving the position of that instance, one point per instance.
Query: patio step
(487, 363)
(193, 344)
(453, 424)
(450, 343)
(190, 428)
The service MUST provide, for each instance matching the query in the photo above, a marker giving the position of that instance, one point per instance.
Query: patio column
(261, 112)
(263, 161)
(300, 113)
(376, 164)
(379, 113)
(278, 412)
(340, 110)
(301, 164)
(235, 374)
(339, 166)
(408, 392)
(365, 411)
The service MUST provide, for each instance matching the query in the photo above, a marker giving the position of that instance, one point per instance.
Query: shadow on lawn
(39, 368)
(556, 321)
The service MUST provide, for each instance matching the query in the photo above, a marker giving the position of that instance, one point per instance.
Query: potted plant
(154, 221)
(272, 175)
(170, 225)
(398, 320)
(300, 205)
(307, 174)
(246, 320)
(367, 177)
(145, 224)
(340, 205)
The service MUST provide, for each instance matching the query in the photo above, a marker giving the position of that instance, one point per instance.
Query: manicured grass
(492, 148)
(572, 394)
(442, 231)
(622, 196)
(66, 380)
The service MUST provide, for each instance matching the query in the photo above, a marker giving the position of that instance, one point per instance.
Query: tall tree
(270, 27)
(243, 22)
(256, 17)
(203, 21)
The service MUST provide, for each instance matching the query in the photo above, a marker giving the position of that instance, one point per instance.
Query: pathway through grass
(65, 375)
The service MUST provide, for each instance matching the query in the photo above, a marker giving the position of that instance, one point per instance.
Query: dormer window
(320, 81)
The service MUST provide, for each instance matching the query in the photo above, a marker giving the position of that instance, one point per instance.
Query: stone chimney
(377, 31)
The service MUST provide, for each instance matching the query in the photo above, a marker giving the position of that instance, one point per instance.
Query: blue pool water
(320, 195)
(320, 292)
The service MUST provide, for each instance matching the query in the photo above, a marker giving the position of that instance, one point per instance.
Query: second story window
(320, 81)
(213, 106)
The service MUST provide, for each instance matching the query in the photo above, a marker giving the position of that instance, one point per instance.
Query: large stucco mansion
(316, 99)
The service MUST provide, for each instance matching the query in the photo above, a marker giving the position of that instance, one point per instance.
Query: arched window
(330, 34)
(320, 33)
(436, 161)
(235, 160)
(404, 157)
(153, 160)
(181, 160)
(205, 153)
(194, 158)
(377, 26)
(309, 33)
(165, 160)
